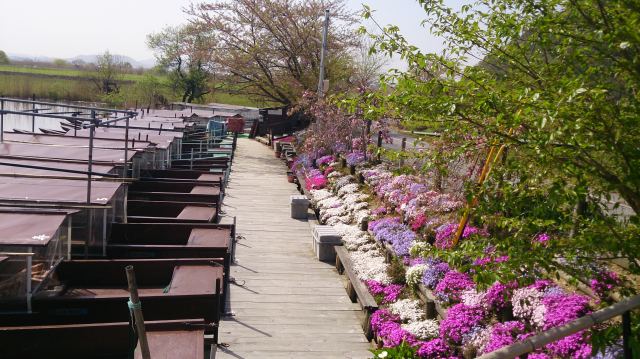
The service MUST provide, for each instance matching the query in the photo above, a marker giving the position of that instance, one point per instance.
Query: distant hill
(146, 63)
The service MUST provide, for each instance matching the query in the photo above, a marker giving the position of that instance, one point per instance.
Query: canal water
(24, 122)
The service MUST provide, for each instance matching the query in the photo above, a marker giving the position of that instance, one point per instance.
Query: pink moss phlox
(461, 319)
(418, 222)
(390, 293)
(498, 295)
(450, 288)
(503, 334)
(435, 349)
(387, 326)
(324, 160)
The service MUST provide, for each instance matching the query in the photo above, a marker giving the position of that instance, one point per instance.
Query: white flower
(414, 274)
(478, 338)
(339, 219)
(407, 309)
(473, 298)
(329, 202)
(343, 181)
(370, 265)
(525, 302)
(361, 215)
(319, 195)
(383, 354)
(423, 329)
(350, 188)
(624, 45)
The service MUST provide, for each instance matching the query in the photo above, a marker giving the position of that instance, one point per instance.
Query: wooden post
(430, 309)
(135, 307)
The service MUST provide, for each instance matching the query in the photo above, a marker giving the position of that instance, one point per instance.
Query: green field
(75, 85)
(62, 72)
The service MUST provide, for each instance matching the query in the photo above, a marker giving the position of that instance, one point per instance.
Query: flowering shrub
(423, 329)
(449, 290)
(461, 319)
(355, 158)
(389, 293)
(414, 274)
(435, 349)
(471, 320)
(387, 326)
(434, 273)
(390, 230)
(503, 334)
(407, 310)
(324, 160)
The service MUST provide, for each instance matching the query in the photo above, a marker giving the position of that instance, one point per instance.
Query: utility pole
(322, 54)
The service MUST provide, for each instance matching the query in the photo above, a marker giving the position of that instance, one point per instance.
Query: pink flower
(542, 238)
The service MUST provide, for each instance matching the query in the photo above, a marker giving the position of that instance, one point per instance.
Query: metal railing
(622, 308)
(89, 117)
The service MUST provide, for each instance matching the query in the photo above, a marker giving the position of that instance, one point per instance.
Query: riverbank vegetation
(65, 82)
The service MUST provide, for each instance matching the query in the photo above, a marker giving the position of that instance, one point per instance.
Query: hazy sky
(66, 28)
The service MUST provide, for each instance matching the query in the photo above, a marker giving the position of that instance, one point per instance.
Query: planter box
(324, 239)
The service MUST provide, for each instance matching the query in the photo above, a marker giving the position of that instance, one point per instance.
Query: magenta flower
(450, 288)
(434, 349)
(542, 238)
(503, 334)
(461, 319)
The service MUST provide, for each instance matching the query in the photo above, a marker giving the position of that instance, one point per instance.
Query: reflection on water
(25, 122)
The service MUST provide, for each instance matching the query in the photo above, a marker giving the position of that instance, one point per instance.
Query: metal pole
(322, 53)
(135, 307)
(69, 230)
(28, 284)
(626, 335)
(92, 130)
(104, 233)
(126, 148)
(33, 117)
(191, 163)
(1, 121)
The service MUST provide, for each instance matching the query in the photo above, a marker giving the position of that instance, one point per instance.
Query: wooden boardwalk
(291, 305)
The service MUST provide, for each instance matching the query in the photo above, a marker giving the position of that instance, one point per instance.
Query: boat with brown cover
(95, 291)
(182, 339)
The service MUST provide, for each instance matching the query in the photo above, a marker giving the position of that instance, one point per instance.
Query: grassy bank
(75, 85)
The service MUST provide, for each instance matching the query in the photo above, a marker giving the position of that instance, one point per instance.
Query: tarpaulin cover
(22, 150)
(21, 171)
(29, 229)
(115, 143)
(162, 140)
(56, 190)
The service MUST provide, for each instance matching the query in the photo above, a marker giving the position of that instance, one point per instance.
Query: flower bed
(415, 223)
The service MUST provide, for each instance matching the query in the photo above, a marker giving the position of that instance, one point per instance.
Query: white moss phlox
(407, 309)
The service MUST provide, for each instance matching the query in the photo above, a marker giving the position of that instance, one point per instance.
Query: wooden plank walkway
(291, 305)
